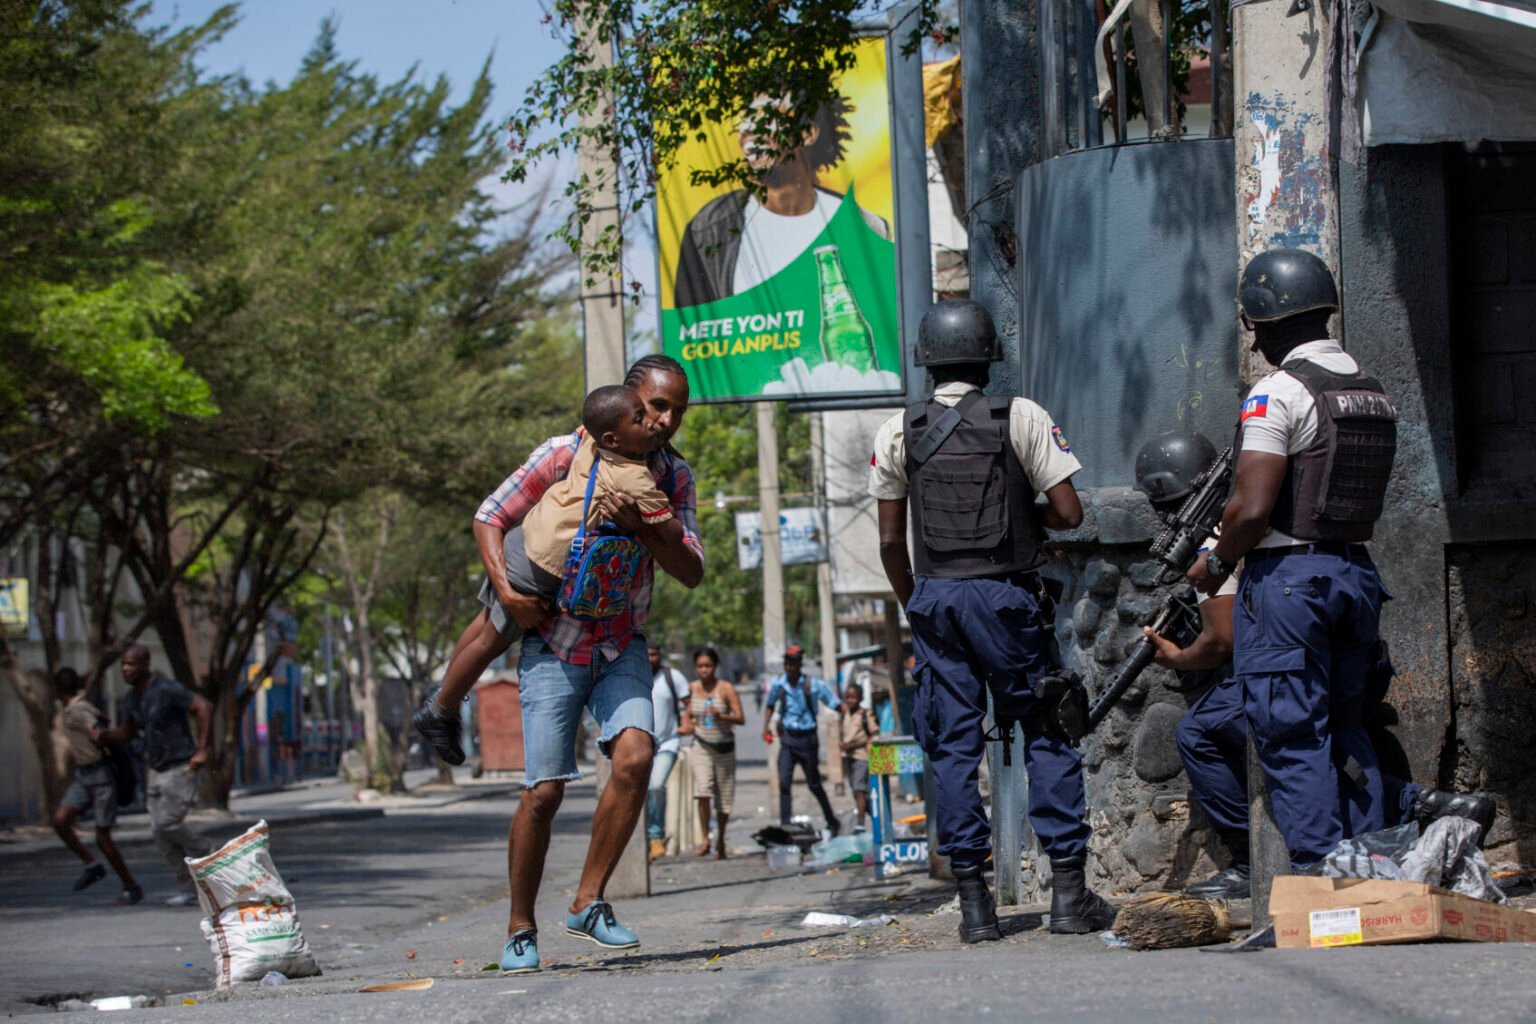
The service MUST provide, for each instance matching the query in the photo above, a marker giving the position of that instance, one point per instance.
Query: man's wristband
(1216, 565)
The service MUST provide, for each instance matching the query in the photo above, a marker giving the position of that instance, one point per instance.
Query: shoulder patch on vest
(1060, 438)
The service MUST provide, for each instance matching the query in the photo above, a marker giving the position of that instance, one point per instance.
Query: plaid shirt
(572, 641)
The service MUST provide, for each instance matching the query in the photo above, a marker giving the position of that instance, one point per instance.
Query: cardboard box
(1320, 912)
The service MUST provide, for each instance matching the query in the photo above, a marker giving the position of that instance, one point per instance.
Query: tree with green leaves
(87, 298)
(232, 311)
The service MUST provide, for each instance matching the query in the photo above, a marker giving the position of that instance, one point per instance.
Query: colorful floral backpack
(599, 567)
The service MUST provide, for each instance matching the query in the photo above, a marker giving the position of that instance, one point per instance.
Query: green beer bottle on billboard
(845, 335)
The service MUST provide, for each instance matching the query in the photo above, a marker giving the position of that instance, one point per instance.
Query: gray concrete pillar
(1287, 197)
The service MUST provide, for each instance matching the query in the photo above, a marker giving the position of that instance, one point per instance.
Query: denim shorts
(617, 692)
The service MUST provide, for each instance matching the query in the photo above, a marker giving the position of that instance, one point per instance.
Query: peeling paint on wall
(1286, 197)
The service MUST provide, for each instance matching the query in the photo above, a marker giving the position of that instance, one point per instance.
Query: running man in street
(158, 707)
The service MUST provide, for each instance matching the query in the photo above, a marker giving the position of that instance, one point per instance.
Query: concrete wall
(1458, 558)
(1127, 268)
(999, 50)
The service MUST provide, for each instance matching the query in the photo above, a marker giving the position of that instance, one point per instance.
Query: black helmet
(1283, 282)
(1167, 466)
(957, 331)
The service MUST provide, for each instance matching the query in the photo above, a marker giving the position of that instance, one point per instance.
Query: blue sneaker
(521, 953)
(596, 923)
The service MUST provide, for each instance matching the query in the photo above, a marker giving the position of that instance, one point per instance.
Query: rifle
(1178, 620)
(1179, 543)
(1176, 547)
(1062, 695)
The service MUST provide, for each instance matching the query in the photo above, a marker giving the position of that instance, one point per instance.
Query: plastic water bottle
(709, 712)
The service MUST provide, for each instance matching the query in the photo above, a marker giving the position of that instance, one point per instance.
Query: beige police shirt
(1279, 416)
(1038, 442)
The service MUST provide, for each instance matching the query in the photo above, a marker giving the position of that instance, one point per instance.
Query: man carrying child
(566, 663)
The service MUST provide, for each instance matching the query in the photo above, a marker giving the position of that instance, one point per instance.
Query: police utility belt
(1352, 552)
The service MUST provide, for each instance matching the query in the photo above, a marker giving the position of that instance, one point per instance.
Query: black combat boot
(1230, 883)
(1075, 908)
(978, 914)
(1437, 803)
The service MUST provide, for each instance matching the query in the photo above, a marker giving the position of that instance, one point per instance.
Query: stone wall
(1147, 835)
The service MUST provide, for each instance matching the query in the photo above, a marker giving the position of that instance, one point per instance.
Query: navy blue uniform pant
(1303, 627)
(971, 637)
(803, 749)
(1213, 743)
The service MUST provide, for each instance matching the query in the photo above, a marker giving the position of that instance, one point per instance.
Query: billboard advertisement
(790, 291)
(802, 538)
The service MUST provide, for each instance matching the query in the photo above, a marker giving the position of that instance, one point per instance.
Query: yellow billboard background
(865, 168)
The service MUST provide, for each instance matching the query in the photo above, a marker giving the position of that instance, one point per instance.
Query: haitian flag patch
(1060, 438)
(1255, 407)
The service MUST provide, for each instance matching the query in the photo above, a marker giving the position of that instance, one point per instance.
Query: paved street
(420, 892)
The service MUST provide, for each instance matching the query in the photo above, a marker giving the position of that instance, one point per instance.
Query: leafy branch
(678, 67)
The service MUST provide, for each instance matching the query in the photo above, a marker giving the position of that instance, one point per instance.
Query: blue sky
(388, 37)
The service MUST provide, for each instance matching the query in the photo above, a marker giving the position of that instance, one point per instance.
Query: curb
(228, 827)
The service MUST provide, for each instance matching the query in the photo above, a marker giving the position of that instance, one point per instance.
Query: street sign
(911, 852)
(15, 606)
(898, 758)
(802, 538)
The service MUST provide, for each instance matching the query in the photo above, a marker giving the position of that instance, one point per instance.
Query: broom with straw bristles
(1169, 920)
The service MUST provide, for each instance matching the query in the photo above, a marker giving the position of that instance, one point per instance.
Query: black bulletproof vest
(973, 509)
(1334, 489)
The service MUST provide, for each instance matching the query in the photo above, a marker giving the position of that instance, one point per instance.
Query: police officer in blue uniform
(1315, 441)
(969, 467)
(1213, 734)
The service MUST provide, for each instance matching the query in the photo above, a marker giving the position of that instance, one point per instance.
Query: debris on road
(413, 985)
(1320, 912)
(1172, 920)
(1446, 855)
(817, 919)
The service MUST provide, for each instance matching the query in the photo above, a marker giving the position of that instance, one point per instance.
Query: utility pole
(602, 292)
(602, 320)
(768, 529)
(824, 567)
(1287, 196)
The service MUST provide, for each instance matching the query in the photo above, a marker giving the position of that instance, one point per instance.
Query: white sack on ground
(250, 920)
